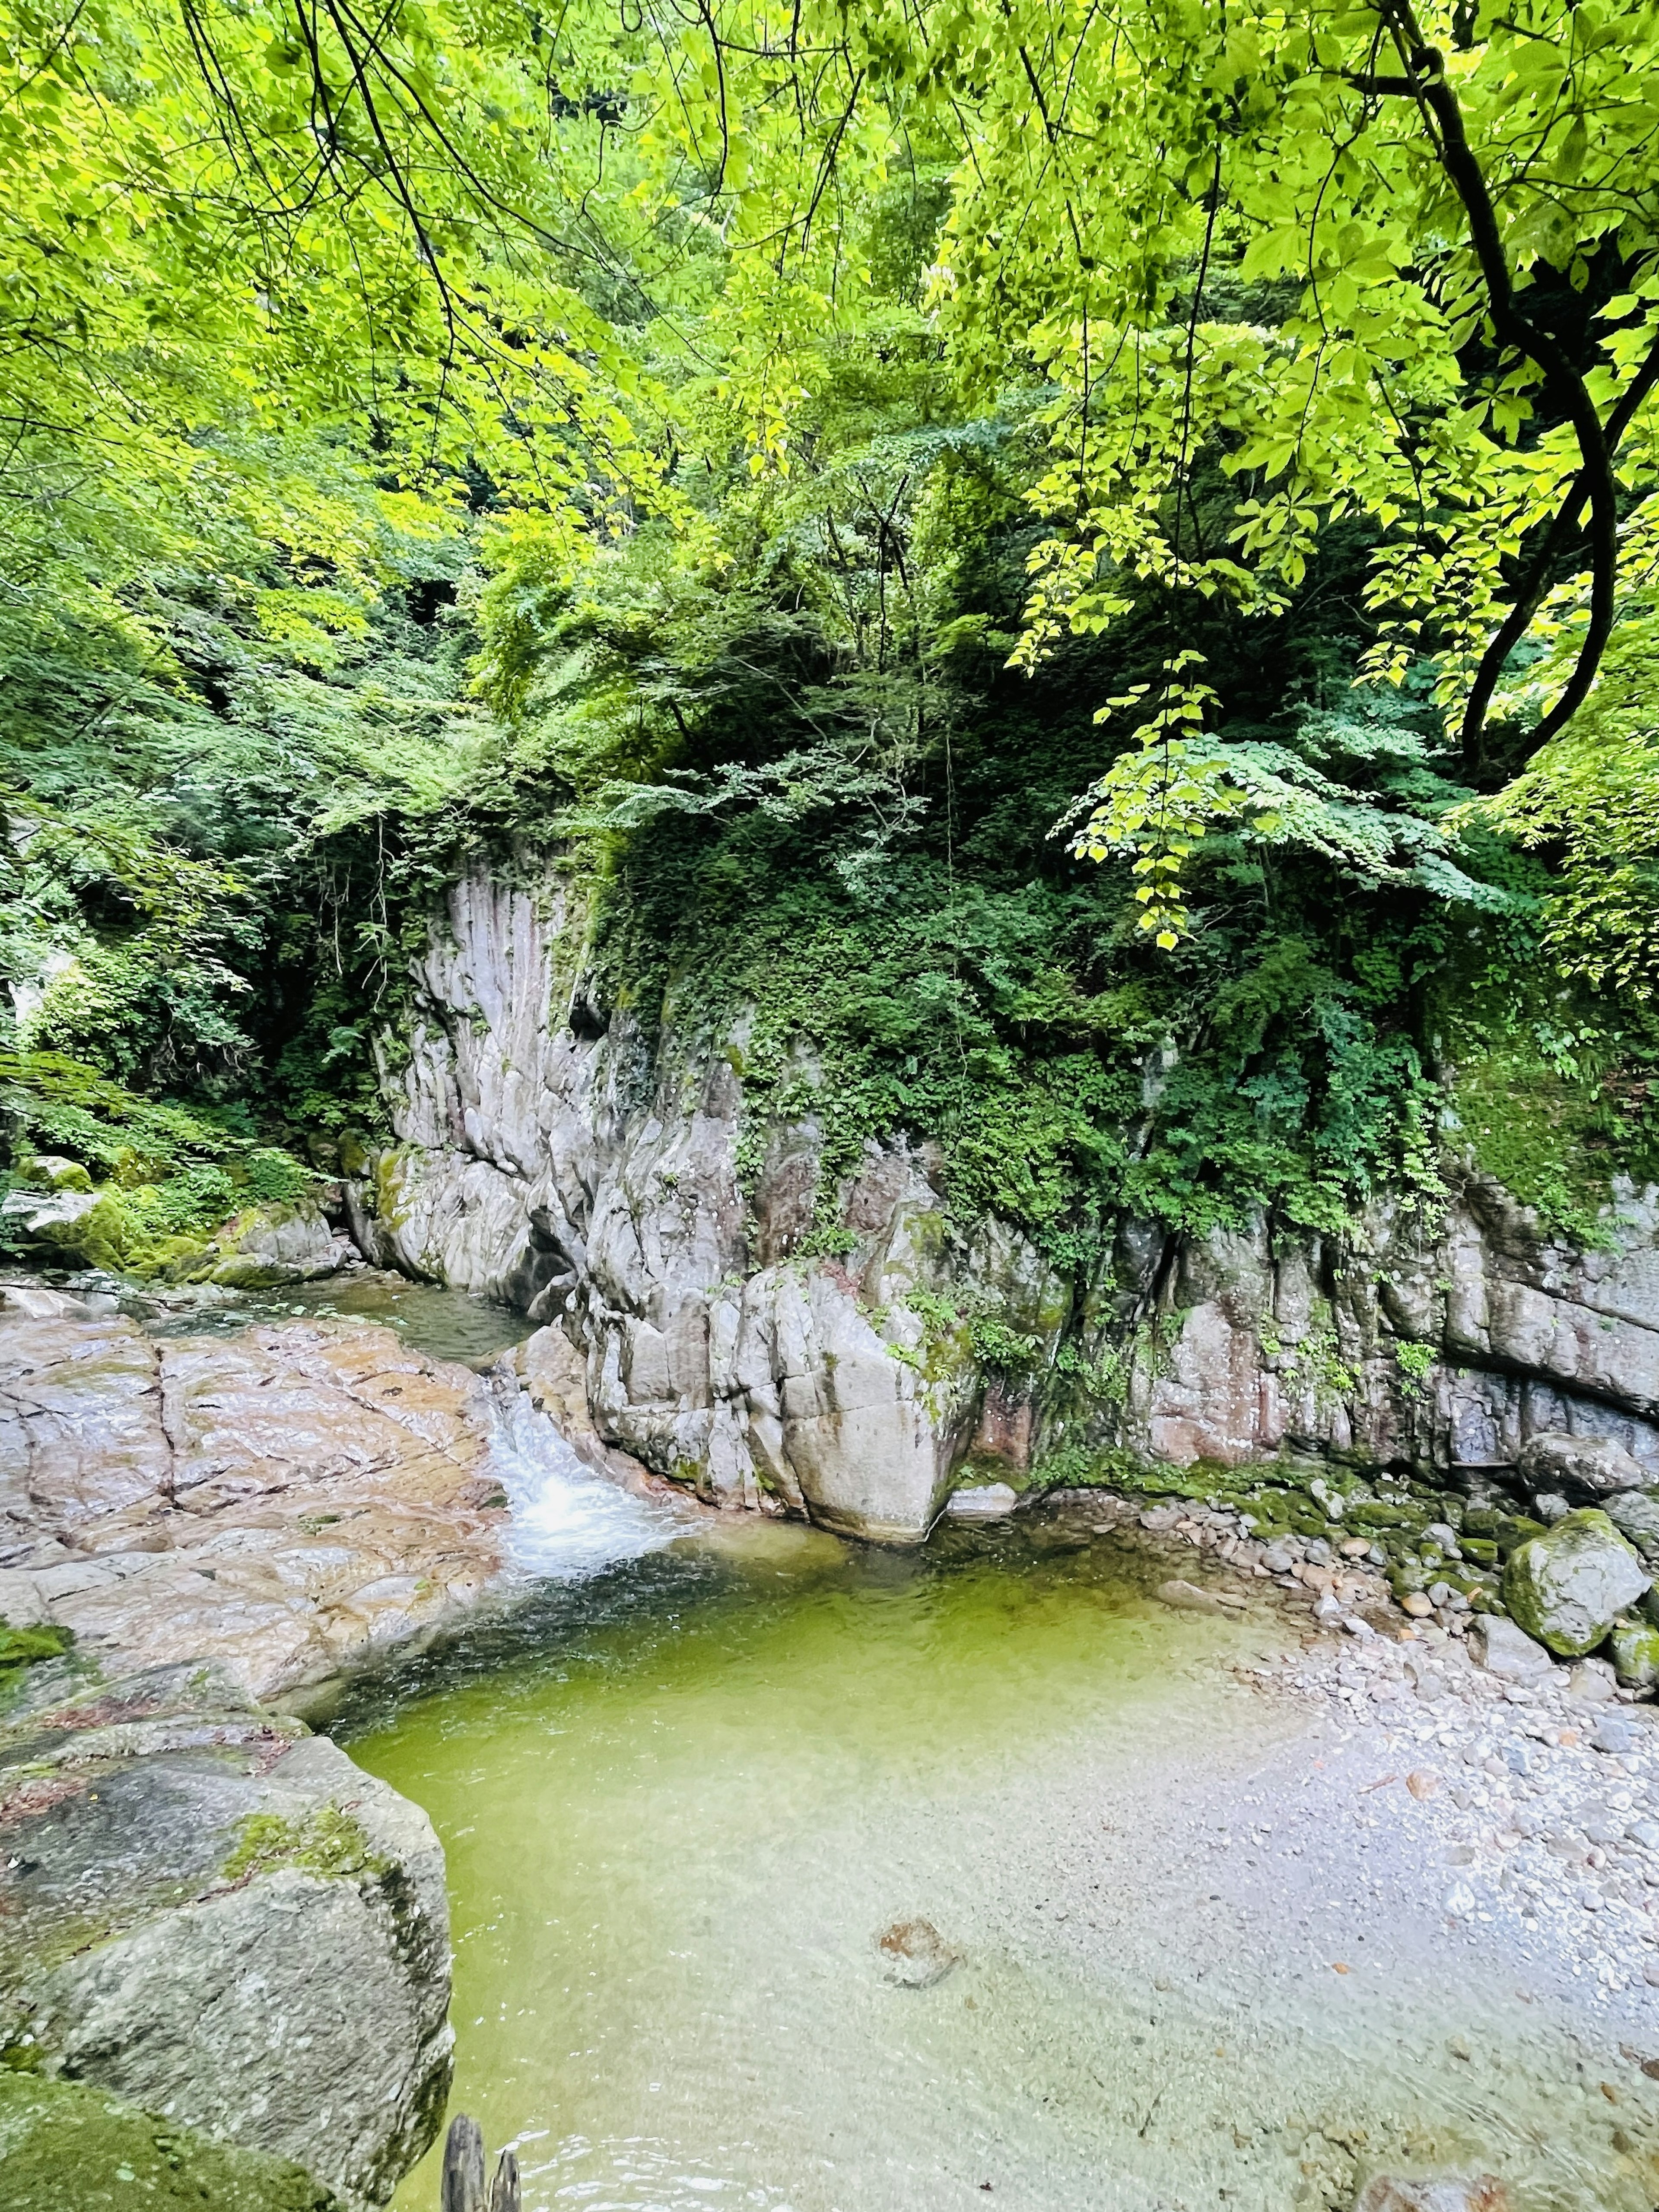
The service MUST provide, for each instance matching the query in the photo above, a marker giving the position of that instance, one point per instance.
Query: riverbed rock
(1585, 1468)
(284, 1501)
(1635, 1648)
(985, 1501)
(267, 1246)
(915, 1955)
(67, 2147)
(217, 1917)
(1506, 1650)
(1386, 2192)
(1566, 1588)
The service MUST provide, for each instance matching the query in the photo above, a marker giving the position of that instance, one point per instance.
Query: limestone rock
(1635, 1514)
(1581, 1467)
(271, 1245)
(551, 1155)
(1566, 1588)
(985, 1501)
(220, 1919)
(283, 1501)
(67, 2146)
(1508, 1652)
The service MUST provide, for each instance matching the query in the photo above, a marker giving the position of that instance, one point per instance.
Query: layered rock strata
(284, 1502)
(739, 1325)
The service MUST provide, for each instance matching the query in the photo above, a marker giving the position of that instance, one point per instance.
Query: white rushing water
(567, 1522)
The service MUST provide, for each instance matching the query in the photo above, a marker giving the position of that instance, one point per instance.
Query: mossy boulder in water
(1567, 1589)
(63, 2145)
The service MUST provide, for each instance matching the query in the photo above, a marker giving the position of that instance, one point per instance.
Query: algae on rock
(1567, 1589)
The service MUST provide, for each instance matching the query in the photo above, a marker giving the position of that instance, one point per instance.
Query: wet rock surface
(283, 1501)
(787, 1344)
(215, 1916)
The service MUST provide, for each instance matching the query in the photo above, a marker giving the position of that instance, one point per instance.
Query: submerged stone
(1567, 1589)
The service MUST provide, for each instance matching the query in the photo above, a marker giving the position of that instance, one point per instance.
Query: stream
(1174, 1956)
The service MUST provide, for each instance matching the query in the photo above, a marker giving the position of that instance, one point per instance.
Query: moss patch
(64, 2148)
(326, 1842)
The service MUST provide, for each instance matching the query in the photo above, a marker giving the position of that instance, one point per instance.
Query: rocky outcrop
(215, 1916)
(267, 1246)
(775, 1341)
(547, 1159)
(284, 1502)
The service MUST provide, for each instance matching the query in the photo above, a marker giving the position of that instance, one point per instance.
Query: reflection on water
(446, 1324)
(682, 1800)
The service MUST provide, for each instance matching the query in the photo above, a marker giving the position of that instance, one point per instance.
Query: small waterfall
(568, 1522)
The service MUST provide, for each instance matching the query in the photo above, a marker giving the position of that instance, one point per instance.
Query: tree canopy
(876, 460)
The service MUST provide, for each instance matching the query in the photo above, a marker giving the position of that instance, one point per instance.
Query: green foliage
(27, 1647)
(741, 451)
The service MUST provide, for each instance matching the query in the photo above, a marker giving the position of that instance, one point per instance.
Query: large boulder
(1585, 1467)
(216, 1917)
(268, 1246)
(1567, 1589)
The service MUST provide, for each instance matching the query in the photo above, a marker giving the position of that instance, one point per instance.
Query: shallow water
(448, 1324)
(682, 1800)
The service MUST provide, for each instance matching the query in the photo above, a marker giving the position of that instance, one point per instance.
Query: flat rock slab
(283, 1502)
(214, 1914)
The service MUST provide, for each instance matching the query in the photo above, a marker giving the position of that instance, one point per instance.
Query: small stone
(987, 1501)
(1644, 1832)
(1591, 1682)
(1651, 1975)
(1387, 2192)
(1422, 1782)
(1459, 2047)
(1614, 1734)
(915, 1955)
(1550, 1507)
(1419, 1607)
(1354, 1548)
(1186, 1597)
(1508, 1652)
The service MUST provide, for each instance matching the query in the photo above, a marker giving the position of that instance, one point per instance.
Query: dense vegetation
(1085, 563)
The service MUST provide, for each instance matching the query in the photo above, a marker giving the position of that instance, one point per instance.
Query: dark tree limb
(1425, 82)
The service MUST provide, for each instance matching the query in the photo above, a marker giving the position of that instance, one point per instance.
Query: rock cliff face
(549, 1157)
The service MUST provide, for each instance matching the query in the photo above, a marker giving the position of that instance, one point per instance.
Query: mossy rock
(64, 2148)
(1634, 1648)
(1566, 1588)
(1372, 1513)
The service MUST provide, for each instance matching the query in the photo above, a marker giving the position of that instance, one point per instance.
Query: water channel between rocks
(683, 1798)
